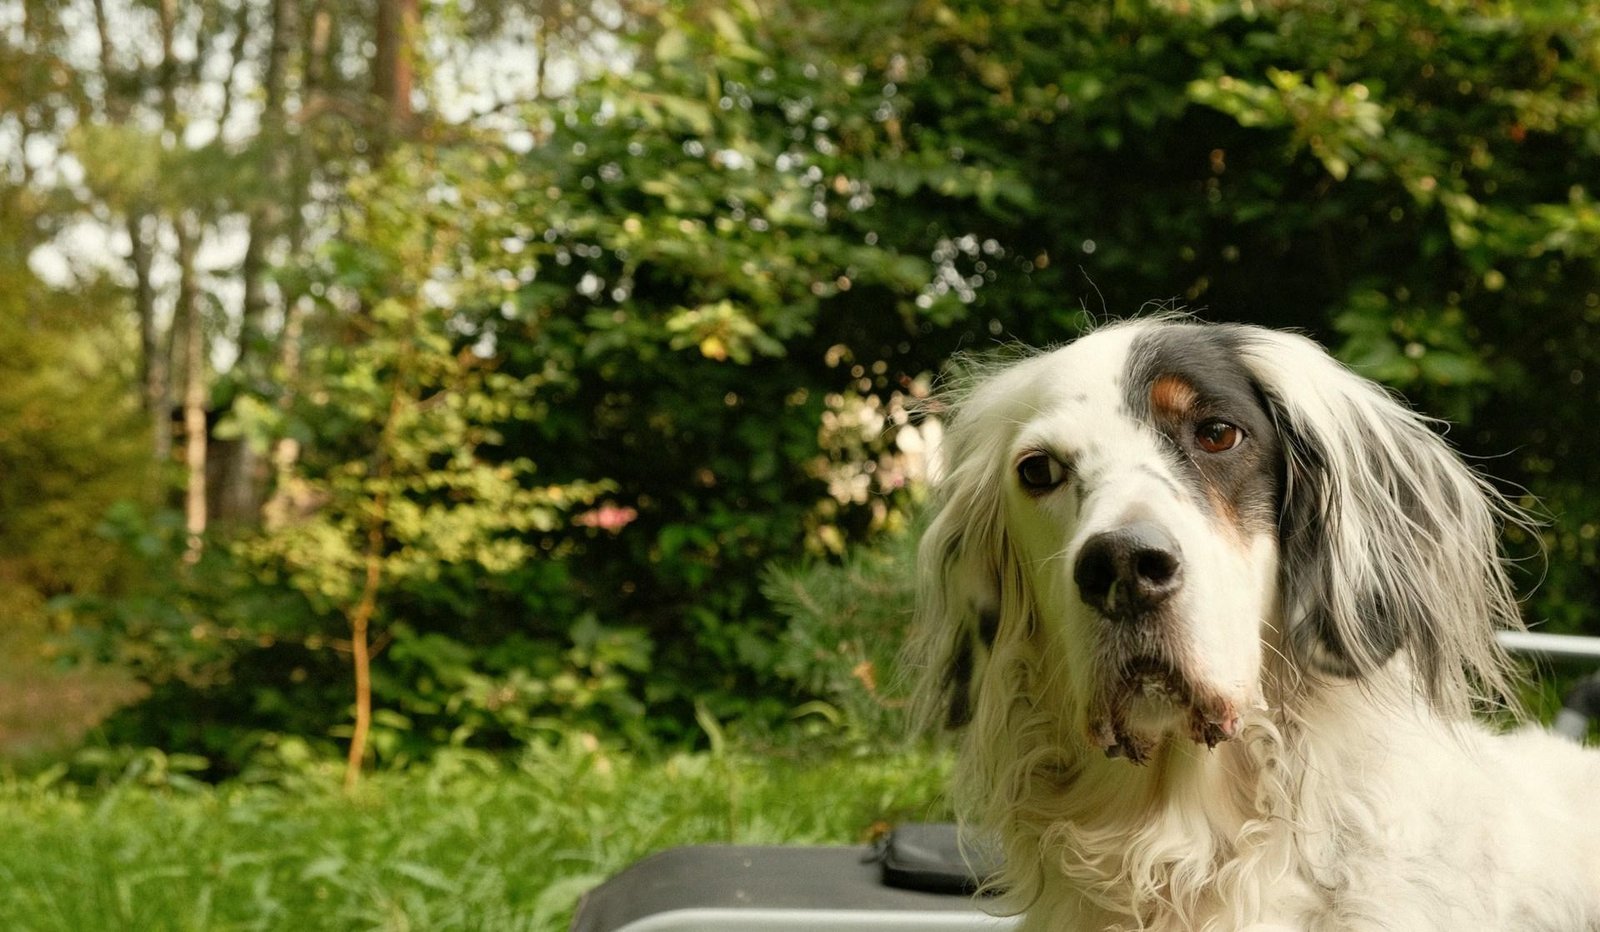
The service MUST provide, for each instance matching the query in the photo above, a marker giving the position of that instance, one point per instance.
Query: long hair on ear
(963, 560)
(1389, 541)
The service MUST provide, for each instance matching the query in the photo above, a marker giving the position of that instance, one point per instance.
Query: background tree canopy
(506, 345)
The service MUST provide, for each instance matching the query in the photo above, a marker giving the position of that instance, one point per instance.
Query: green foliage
(468, 842)
(692, 249)
(1409, 182)
(595, 388)
(518, 690)
(846, 627)
(70, 449)
(584, 370)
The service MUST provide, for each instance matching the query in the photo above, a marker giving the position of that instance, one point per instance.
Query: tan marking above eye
(1172, 397)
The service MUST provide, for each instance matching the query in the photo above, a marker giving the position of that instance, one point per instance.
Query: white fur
(1365, 799)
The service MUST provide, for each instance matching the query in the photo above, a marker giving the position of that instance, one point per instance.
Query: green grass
(467, 843)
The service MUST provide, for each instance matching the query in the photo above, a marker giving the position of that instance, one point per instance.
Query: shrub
(678, 312)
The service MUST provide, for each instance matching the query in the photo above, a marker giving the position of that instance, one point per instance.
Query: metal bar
(1559, 646)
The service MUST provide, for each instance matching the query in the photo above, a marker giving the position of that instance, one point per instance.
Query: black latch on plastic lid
(931, 857)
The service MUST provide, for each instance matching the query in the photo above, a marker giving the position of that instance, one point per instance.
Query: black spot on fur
(988, 627)
(1307, 526)
(958, 681)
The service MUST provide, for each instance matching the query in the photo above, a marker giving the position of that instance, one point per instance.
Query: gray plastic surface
(723, 888)
(816, 920)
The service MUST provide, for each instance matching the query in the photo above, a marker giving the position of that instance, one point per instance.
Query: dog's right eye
(1039, 472)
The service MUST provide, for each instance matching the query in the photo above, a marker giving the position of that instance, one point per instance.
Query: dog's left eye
(1218, 436)
(1039, 472)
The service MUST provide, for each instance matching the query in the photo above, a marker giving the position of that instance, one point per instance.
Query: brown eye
(1218, 436)
(1039, 472)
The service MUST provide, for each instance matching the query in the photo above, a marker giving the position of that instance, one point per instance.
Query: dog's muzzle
(1129, 576)
(1127, 573)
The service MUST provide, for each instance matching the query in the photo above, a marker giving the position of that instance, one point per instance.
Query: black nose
(1128, 572)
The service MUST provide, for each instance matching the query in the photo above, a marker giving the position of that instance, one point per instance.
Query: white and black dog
(1215, 613)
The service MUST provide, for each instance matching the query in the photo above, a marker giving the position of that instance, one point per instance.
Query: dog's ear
(1388, 541)
(960, 562)
(958, 611)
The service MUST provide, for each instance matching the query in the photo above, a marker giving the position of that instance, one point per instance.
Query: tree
(424, 494)
(692, 299)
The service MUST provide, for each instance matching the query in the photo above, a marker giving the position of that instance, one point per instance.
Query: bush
(846, 626)
(668, 326)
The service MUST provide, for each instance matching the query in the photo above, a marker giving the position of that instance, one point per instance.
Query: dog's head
(1137, 522)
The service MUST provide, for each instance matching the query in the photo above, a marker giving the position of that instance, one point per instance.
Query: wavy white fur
(1300, 709)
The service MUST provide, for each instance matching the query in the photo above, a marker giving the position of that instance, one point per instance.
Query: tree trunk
(194, 393)
(361, 616)
(280, 507)
(167, 73)
(154, 361)
(281, 504)
(241, 491)
(264, 215)
(394, 69)
(541, 44)
(317, 43)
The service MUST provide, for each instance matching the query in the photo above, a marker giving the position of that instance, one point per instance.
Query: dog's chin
(1147, 702)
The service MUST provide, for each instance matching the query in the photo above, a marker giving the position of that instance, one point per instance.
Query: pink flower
(607, 517)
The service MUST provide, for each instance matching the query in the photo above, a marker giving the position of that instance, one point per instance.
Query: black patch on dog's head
(1179, 377)
(1276, 481)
